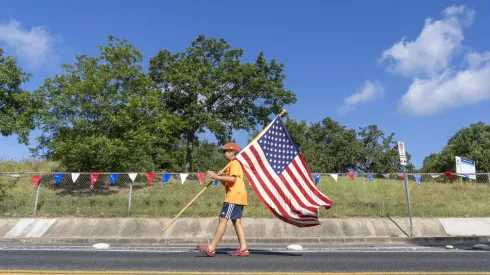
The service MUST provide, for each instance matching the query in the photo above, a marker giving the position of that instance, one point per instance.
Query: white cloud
(428, 96)
(369, 92)
(437, 85)
(34, 47)
(432, 52)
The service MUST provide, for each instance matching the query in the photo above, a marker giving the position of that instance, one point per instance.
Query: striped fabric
(281, 178)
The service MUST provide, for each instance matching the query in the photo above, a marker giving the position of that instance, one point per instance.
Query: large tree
(16, 106)
(209, 87)
(327, 146)
(379, 153)
(103, 113)
(471, 142)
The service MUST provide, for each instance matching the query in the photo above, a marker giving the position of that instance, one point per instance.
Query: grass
(352, 198)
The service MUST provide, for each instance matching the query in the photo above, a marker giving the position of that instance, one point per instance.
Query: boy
(235, 200)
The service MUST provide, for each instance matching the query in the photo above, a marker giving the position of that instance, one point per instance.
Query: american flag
(281, 178)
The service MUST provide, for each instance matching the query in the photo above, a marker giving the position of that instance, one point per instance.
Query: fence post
(408, 200)
(37, 197)
(130, 195)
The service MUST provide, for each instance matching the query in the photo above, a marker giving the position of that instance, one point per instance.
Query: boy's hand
(212, 174)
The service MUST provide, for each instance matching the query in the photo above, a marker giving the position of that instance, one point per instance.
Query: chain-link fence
(165, 194)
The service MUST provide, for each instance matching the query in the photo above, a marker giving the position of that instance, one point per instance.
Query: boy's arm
(215, 176)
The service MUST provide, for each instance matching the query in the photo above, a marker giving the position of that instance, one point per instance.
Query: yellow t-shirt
(235, 191)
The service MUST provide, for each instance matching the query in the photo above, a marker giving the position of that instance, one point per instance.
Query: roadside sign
(466, 167)
(401, 151)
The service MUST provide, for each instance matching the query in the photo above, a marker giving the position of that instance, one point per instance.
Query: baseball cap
(230, 145)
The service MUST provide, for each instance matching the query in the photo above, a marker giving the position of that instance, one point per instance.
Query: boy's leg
(223, 221)
(220, 231)
(240, 233)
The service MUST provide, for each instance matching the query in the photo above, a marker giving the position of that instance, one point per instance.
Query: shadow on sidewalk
(225, 251)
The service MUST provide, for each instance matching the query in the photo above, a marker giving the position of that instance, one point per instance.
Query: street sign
(401, 151)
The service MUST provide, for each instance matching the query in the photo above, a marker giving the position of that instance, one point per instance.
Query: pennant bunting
(350, 175)
(334, 176)
(35, 180)
(435, 176)
(57, 178)
(132, 176)
(15, 176)
(201, 177)
(401, 176)
(418, 178)
(93, 179)
(183, 176)
(150, 177)
(386, 175)
(449, 175)
(216, 182)
(113, 178)
(317, 178)
(166, 178)
(74, 176)
(369, 176)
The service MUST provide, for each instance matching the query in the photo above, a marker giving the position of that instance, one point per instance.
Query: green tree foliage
(379, 153)
(103, 113)
(209, 88)
(330, 147)
(16, 106)
(471, 142)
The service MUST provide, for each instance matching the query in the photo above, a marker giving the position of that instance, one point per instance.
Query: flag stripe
(283, 182)
(273, 195)
(298, 180)
(255, 179)
(308, 180)
(274, 185)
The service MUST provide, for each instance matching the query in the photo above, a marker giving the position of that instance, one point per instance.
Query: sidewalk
(147, 231)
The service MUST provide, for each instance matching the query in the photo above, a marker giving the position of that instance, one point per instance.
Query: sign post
(403, 162)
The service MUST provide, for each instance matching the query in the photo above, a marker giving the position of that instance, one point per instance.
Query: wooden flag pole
(207, 185)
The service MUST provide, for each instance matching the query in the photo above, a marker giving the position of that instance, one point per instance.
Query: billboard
(465, 167)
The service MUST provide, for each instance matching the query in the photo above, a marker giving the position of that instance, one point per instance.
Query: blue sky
(406, 66)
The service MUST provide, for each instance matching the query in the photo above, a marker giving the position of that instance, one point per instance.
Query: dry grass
(358, 198)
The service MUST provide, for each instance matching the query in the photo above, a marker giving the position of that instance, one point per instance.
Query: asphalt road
(350, 259)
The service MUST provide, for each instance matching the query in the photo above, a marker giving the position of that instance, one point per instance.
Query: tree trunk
(190, 149)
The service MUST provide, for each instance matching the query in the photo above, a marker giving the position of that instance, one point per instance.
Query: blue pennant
(317, 178)
(166, 178)
(216, 182)
(57, 178)
(418, 178)
(113, 178)
(369, 176)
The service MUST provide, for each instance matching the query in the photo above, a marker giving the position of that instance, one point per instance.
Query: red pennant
(201, 177)
(93, 179)
(402, 176)
(35, 180)
(351, 175)
(449, 175)
(150, 177)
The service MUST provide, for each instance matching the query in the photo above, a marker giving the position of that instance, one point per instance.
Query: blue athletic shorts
(231, 211)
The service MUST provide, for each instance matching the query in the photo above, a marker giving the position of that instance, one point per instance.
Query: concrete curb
(253, 241)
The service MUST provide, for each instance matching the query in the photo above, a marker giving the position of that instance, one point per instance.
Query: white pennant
(74, 176)
(386, 175)
(183, 177)
(435, 176)
(132, 176)
(334, 176)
